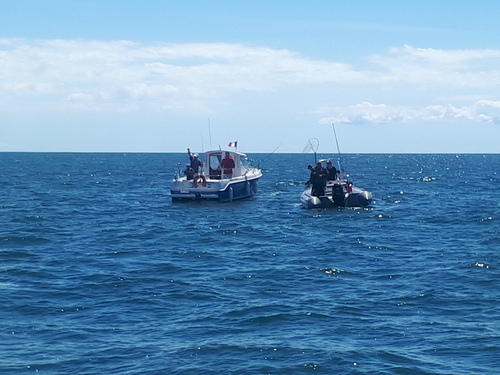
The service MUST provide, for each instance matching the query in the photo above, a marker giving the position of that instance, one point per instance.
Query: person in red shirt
(227, 165)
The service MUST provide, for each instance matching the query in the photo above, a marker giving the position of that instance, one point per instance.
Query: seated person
(189, 172)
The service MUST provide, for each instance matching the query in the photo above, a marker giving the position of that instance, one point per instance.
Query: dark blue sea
(100, 273)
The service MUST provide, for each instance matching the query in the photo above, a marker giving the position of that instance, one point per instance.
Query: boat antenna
(336, 139)
(209, 133)
(338, 148)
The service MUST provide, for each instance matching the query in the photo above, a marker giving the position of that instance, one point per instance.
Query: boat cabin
(213, 161)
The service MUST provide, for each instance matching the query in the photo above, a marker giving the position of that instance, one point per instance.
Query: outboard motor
(338, 195)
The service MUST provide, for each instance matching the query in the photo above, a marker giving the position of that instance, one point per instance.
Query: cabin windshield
(214, 166)
(243, 165)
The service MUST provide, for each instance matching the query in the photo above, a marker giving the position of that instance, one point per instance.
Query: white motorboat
(331, 187)
(337, 193)
(211, 183)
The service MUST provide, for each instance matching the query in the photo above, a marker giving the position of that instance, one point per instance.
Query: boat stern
(183, 189)
(310, 201)
(364, 198)
(222, 190)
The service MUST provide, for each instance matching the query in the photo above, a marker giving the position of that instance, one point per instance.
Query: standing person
(227, 165)
(331, 171)
(311, 176)
(318, 179)
(196, 163)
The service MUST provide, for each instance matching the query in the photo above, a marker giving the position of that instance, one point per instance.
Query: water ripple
(101, 273)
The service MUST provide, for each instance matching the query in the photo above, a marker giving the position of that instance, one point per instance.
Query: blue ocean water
(100, 273)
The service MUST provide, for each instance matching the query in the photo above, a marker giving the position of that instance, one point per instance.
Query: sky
(389, 76)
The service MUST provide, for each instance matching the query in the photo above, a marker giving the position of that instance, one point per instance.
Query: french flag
(232, 144)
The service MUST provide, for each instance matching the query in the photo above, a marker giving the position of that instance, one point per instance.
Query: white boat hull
(211, 182)
(337, 194)
(225, 190)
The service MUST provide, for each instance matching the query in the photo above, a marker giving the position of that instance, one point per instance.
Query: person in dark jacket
(311, 168)
(318, 180)
(331, 171)
(196, 163)
(189, 172)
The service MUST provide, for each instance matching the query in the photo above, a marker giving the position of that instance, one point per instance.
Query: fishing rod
(267, 156)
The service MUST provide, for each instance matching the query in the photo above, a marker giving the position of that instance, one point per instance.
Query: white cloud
(117, 73)
(441, 68)
(123, 75)
(363, 113)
